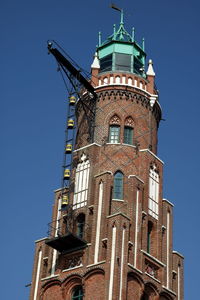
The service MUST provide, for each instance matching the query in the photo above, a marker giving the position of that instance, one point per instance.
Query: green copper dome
(120, 52)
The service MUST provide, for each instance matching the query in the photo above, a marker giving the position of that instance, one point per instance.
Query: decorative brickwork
(122, 248)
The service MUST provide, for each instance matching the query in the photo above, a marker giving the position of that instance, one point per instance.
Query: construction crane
(81, 94)
(78, 84)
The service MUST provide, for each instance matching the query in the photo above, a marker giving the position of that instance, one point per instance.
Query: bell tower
(111, 231)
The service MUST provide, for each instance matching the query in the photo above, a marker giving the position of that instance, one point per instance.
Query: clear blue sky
(33, 115)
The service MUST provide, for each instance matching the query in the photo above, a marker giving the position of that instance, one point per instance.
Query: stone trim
(132, 267)
(147, 150)
(93, 144)
(170, 203)
(49, 277)
(153, 258)
(42, 239)
(152, 277)
(179, 254)
(117, 214)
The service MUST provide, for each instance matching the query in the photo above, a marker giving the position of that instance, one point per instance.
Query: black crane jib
(66, 63)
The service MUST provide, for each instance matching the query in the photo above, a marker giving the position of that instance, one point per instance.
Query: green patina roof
(121, 34)
(121, 42)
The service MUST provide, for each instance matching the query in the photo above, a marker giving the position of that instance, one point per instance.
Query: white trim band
(112, 263)
(153, 258)
(87, 147)
(37, 275)
(150, 152)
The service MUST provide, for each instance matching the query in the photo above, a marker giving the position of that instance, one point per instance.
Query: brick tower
(111, 230)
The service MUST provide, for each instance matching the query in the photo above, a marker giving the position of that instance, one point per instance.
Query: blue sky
(33, 116)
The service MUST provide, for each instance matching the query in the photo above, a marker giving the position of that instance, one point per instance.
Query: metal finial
(133, 34)
(114, 31)
(99, 38)
(122, 17)
(143, 44)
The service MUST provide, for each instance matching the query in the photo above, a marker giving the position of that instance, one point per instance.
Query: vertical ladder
(70, 133)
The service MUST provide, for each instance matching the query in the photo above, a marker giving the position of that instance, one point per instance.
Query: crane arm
(67, 64)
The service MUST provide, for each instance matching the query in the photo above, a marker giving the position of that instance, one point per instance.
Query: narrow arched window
(114, 133)
(118, 185)
(114, 130)
(128, 135)
(80, 225)
(81, 183)
(149, 235)
(153, 207)
(77, 293)
(128, 131)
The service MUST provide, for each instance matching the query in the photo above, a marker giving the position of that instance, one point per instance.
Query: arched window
(149, 234)
(153, 208)
(80, 225)
(81, 183)
(77, 293)
(118, 185)
(128, 135)
(128, 131)
(114, 130)
(114, 134)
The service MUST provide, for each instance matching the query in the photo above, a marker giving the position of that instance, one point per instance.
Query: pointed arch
(128, 130)
(118, 185)
(114, 129)
(115, 120)
(129, 121)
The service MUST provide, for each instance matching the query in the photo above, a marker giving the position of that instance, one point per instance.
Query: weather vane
(115, 7)
(118, 9)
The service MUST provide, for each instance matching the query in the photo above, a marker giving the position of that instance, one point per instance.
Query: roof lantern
(120, 52)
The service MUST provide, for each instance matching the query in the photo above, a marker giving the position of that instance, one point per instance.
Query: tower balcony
(66, 235)
(66, 243)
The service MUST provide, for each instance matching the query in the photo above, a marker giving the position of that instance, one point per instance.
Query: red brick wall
(105, 159)
(95, 287)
